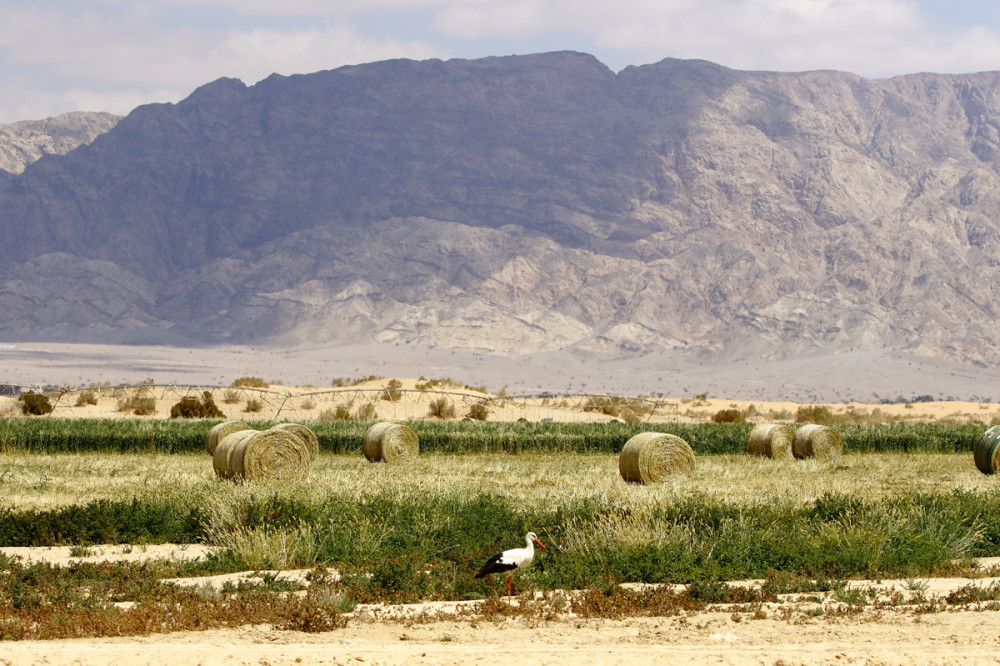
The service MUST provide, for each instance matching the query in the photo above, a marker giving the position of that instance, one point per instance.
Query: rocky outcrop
(28, 141)
(528, 203)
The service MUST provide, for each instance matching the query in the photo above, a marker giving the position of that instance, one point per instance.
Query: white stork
(510, 561)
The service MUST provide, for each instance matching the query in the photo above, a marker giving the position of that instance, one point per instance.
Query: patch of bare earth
(965, 637)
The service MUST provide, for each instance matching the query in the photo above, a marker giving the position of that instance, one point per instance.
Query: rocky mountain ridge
(526, 204)
(24, 142)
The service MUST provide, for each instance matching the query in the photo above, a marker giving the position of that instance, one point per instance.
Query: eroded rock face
(529, 203)
(24, 142)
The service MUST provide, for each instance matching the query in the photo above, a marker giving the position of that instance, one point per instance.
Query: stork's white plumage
(510, 561)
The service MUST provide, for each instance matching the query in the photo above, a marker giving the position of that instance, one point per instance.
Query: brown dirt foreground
(966, 637)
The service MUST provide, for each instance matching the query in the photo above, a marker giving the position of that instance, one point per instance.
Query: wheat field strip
(42, 481)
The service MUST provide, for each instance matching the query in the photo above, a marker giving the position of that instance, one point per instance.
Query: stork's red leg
(508, 588)
(492, 585)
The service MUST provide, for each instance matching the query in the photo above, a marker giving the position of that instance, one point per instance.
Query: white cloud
(869, 37)
(58, 55)
(254, 54)
(52, 60)
(477, 20)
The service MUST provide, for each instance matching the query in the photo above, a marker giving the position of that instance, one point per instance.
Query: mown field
(904, 500)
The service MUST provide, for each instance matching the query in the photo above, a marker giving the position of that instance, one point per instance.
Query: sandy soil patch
(66, 555)
(966, 637)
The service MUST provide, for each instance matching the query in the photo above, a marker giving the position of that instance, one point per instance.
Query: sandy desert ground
(709, 638)
(863, 383)
(864, 376)
(304, 403)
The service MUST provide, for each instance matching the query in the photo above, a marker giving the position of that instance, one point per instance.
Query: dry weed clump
(42, 602)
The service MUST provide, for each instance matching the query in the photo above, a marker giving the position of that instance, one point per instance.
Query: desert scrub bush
(139, 405)
(441, 408)
(392, 392)
(35, 404)
(307, 404)
(628, 409)
(42, 601)
(366, 412)
(230, 396)
(190, 407)
(250, 382)
(253, 405)
(341, 412)
(85, 398)
(729, 416)
(819, 414)
(478, 411)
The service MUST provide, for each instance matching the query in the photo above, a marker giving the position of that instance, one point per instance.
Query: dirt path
(966, 637)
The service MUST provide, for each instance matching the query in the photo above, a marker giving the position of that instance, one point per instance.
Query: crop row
(55, 435)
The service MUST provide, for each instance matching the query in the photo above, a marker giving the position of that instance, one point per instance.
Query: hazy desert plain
(799, 630)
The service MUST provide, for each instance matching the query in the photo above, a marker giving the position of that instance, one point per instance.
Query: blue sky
(113, 55)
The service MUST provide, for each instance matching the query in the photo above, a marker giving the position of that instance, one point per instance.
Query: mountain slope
(28, 141)
(527, 203)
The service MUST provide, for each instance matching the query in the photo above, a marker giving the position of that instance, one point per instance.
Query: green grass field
(895, 505)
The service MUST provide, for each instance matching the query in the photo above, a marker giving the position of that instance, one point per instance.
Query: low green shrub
(690, 540)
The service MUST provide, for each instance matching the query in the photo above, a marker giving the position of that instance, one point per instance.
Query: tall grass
(388, 526)
(58, 435)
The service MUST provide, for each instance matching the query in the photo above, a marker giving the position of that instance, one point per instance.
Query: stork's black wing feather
(496, 564)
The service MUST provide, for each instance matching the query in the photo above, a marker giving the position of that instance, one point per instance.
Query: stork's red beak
(541, 545)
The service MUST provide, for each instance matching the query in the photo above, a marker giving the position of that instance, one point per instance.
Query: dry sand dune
(300, 372)
(866, 376)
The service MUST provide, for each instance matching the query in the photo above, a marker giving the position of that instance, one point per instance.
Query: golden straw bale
(771, 440)
(228, 454)
(390, 442)
(259, 456)
(987, 451)
(220, 430)
(817, 441)
(306, 433)
(652, 457)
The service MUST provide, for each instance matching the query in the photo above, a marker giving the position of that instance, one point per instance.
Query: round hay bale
(817, 441)
(652, 457)
(307, 435)
(987, 451)
(226, 451)
(390, 442)
(220, 430)
(771, 440)
(259, 456)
